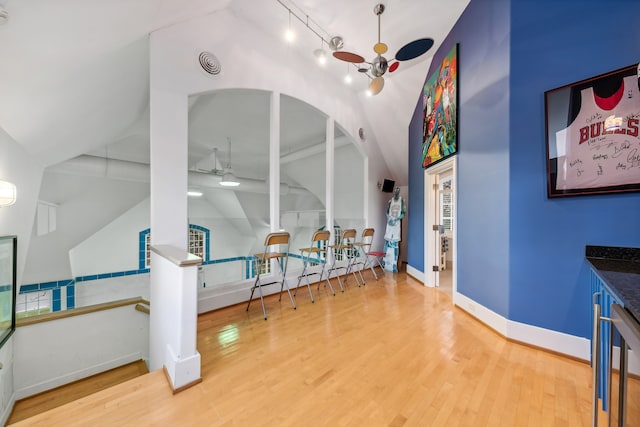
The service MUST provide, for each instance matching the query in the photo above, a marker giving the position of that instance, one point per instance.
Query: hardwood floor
(391, 353)
(59, 396)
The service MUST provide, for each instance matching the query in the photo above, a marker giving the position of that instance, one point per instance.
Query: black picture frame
(8, 286)
(592, 135)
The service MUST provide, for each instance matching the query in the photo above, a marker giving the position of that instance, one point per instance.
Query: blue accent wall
(519, 253)
(548, 275)
(415, 206)
(482, 33)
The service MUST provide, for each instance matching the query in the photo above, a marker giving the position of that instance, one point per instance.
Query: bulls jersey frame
(593, 135)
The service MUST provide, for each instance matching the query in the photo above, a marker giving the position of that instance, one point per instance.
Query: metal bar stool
(370, 257)
(344, 250)
(272, 251)
(318, 249)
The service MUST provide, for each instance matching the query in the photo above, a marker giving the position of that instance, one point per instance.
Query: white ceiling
(74, 77)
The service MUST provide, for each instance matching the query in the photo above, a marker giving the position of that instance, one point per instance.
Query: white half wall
(18, 167)
(61, 351)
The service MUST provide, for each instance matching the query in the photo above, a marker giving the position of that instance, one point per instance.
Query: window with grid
(197, 244)
(147, 250)
(33, 303)
(446, 205)
(265, 267)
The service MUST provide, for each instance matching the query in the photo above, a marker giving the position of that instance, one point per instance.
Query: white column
(274, 161)
(169, 161)
(329, 172)
(174, 315)
(173, 288)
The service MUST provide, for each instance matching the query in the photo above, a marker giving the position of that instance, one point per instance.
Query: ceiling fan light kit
(378, 66)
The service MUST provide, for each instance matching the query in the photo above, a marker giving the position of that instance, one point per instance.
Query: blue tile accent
(71, 296)
(142, 248)
(90, 277)
(48, 285)
(130, 272)
(56, 306)
(28, 288)
(5, 288)
(117, 274)
(104, 276)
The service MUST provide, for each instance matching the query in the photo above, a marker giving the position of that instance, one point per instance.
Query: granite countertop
(619, 268)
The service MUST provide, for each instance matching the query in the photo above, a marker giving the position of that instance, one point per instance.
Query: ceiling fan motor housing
(379, 66)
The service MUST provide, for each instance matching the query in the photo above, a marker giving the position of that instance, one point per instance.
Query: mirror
(8, 248)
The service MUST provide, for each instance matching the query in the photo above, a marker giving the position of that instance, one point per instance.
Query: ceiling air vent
(209, 63)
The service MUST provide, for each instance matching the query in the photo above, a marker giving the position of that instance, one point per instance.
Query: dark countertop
(619, 269)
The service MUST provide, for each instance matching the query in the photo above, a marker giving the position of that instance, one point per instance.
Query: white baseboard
(76, 375)
(482, 313)
(415, 273)
(570, 345)
(7, 411)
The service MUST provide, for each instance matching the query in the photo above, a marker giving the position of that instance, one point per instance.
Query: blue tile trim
(70, 283)
(55, 300)
(48, 285)
(142, 248)
(29, 288)
(71, 296)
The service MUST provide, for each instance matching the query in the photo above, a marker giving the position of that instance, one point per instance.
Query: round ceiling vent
(209, 63)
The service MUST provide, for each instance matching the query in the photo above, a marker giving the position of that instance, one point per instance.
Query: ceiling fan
(380, 65)
(226, 173)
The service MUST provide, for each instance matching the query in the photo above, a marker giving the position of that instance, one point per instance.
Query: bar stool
(364, 248)
(345, 249)
(318, 249)
(273, 245)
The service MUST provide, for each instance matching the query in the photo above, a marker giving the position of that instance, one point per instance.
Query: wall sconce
(7, 193)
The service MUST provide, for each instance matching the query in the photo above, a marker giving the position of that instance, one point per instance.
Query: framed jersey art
(593, 139)
(440, 103)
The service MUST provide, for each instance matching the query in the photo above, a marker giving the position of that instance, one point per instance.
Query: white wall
(111, 289)
(114, 247)
(18, 167)
(86, 205)
(61, 351)
(7, 396)
(349, 187)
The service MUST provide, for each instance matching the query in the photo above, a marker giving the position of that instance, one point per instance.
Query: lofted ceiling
(75, 73)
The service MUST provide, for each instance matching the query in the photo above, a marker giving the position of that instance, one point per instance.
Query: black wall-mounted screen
(387, 186)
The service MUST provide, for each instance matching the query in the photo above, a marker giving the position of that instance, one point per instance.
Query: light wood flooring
(391, 353)
(59, 396)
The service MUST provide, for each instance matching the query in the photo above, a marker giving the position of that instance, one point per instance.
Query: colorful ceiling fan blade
(348, 57)
(414, 49)
(394, 66)
(376, 85)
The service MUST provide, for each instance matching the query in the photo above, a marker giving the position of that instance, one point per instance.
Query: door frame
(431, 251)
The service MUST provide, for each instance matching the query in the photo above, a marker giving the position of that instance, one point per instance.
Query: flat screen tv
(387, 186)
(8, 251)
